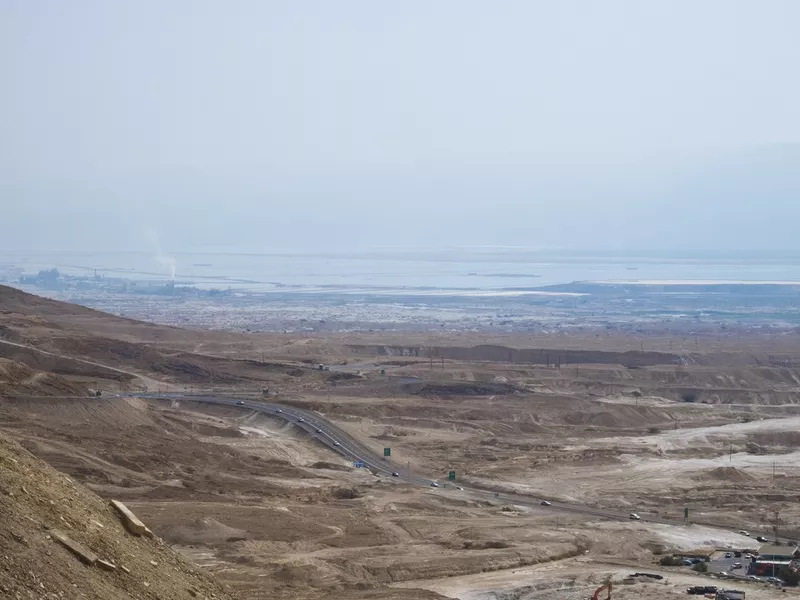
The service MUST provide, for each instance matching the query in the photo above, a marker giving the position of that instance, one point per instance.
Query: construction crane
(607, 586)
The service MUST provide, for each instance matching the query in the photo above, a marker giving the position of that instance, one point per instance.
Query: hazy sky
(342, 123)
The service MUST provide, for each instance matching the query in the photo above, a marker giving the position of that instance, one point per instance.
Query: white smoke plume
(160, 257)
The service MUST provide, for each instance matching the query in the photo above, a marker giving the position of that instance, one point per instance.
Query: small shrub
(346, 493)
(689, 397)
(653, 430)
(670, 560)
(700, 567)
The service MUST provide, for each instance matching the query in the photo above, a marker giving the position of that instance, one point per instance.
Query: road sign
(451, 475)
(387, 451)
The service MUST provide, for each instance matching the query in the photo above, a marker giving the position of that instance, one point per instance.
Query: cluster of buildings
(772, 559)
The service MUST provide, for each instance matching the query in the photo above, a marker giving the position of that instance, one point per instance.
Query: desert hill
(92, 349)
(39, 504)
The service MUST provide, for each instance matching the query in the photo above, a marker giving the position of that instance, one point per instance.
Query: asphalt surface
(347, 446)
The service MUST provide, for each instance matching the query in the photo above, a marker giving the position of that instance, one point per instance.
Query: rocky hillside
(59, 540)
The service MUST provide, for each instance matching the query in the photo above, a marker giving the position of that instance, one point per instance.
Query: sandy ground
(276, 516)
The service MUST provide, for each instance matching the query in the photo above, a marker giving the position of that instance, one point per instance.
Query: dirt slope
(17, 378)
(36, 500)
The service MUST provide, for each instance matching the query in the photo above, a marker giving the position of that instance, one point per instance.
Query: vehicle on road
(754, 577)
(702, 590)
(729, 555)
(318, 431)
(395, 474)
(336, 443)
(240, 403)
(301, 420)
(458, 487)
(687, 562)
(761, 539)
(434, 484)
(736, 565)
(635, 517)
(743, 532)
(545, 503)
(279, 411)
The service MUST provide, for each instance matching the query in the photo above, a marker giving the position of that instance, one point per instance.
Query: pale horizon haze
(610, 125)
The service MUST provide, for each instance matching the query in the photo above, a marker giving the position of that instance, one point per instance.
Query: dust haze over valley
(349, 300)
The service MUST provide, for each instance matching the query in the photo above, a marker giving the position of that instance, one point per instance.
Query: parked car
(736, 565)
(729, 555)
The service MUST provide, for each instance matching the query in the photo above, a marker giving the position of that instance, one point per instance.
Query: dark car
(710, 589)
(240, 403)
(318, 431)
(696, 589)
(395, 474)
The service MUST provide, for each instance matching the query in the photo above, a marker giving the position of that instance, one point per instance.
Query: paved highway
(346, 445)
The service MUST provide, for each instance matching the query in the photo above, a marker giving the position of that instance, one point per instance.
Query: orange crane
(600, 589)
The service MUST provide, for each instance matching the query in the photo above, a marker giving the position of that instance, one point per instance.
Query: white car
(434, 484)
(634, 516)
(335, 443)
(743, 532)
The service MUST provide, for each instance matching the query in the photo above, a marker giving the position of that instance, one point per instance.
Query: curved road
(346, 445)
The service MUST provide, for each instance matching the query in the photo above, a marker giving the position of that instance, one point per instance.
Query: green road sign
(451, 475)
(686, 513)
(387, 451)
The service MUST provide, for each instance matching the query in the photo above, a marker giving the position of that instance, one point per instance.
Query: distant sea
(467, 271)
